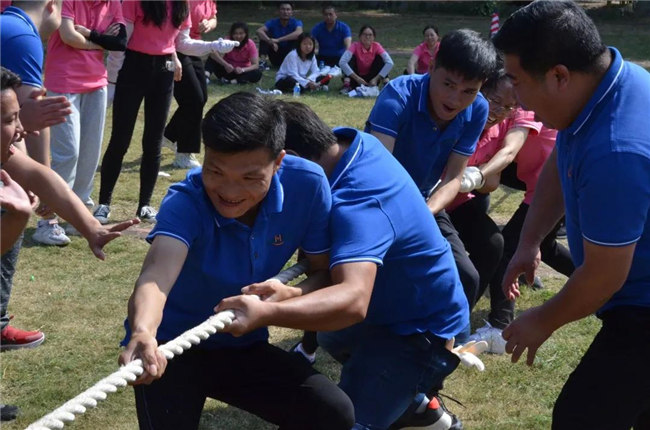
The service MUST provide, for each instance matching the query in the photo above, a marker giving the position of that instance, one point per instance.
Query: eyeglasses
(497, 106)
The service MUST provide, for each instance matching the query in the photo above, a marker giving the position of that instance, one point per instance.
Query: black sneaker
(537, 282)
(8, 412)
(561, 232)
(435, 417)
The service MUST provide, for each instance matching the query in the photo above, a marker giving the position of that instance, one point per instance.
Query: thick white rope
(128, 373)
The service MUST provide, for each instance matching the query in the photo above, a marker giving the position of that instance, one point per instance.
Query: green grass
(80, 302)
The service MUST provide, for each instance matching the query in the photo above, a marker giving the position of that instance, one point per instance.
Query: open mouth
(230, 203)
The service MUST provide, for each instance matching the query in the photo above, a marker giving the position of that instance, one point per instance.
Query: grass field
(80, 302)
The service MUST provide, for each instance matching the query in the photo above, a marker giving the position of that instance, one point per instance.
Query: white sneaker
(147, 214)
(166, 143)
(49, 232)
(102, 213)
(185, 161)
(496, 342)
(70, 230)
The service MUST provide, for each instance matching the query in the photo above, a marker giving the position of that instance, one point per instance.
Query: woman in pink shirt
(242, 64)
(183, 133)
(424, 52)
(74, 68)
(365, 63)
(156, 30)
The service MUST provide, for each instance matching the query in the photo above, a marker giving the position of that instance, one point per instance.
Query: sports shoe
(537, 282)
(299, 351)
(102, 213)
(49, 232)
(492, 335)
(8, 412)
(15, 338)
(70, 230)
(435, 417)
(147, 214)
(166, 143)
(346, 89)
(185, 161)
(264, 65)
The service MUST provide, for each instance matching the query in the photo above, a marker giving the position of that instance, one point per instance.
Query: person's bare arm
(16, 211)
(71, 37)
(386, 140)
(410, 66)
(512, 143)
(291, 36)
(446, 192)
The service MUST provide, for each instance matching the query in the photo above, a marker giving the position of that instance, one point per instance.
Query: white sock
(423, 405)
(311, 357)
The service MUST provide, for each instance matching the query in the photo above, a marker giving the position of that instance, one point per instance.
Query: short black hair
(307, 134)
(547, 33)
(299, 40)
(467, 53)
(10, 80)
(366, 26)
(499, 74)
(327, 5)
(244, 122)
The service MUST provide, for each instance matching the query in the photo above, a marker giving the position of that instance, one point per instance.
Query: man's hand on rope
(250, 313)
(272, 291)
(145, 347)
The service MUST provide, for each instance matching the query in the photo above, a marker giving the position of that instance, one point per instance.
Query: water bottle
(296, 90)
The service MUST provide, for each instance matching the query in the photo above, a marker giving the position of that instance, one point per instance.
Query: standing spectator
(424, 53)
(598, 102)
(242, 64)
(366, 62)
(155, 31)
(74, 68)
(333, 36)
(277, 35)
(299, 67)
(183, 133)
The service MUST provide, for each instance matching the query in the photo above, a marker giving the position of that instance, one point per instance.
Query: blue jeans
(383, 371)
(9, 262)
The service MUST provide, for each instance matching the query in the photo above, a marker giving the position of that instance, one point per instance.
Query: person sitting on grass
(423, 54)
(277, 36)
(366, 62)
(242, 64)
(233, 223)
(299, 67)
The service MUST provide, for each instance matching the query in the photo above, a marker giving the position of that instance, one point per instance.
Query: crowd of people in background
(467, 115)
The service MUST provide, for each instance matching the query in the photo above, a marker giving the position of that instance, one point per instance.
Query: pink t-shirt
(200, 10)
(533, 155)
(149, 38)
(4, 4)
(72, 70)
(242, 57)
(491, 141)
(364, 56)
(424, 57)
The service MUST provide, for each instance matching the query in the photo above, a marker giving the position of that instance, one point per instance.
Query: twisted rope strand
(129, 372)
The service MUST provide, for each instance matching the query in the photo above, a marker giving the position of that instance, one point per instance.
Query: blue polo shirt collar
(12, 10)
(604, 88)
(348, 157)
(272, 203)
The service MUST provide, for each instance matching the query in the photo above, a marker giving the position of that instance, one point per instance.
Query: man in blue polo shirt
(431, 123)
(277, 36)
(390, 264)
(599, 176)
(235, 222)
(333, 37)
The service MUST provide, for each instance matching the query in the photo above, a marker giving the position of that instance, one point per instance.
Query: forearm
(344, 64)
(145, 308)
(444, 195)
(110, 43)
(77, 41)
(410, 66)
(263, 36)
(512, 143)
(38, 146)
(193, 47)
(291, 36)
(388, 65)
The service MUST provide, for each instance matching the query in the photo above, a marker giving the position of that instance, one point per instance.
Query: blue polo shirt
(21, 48)
(402, 112)
(604, 164)
(277, 30)
(225, 255)
(330, 43)
(381, 218)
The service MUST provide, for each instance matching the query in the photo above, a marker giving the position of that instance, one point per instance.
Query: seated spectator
(424, 52)
(277, 35)
(242, 64)
(299, 67)
(333, 36)
(366, 62)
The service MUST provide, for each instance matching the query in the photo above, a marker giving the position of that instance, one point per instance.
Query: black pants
(481, 237)
(142, 77)
(261, 379)
(469, 276)
(375, 68)
(219, 71)
(329, 60)
(276, 57)
(610, 388)
(191, 94)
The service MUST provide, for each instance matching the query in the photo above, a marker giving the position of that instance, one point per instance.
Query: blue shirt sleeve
(25, 58)
(466, 144)
(388, 113)
(346, 31)
(298, 24)
(177, 217)
(361, 231)
(317, 236)
(614, 198)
